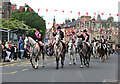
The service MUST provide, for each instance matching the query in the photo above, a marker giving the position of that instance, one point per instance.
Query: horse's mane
(32, 40)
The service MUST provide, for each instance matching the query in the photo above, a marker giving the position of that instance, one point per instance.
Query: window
(97, 35)
(97, 26)
(108, 26)
(110, 37)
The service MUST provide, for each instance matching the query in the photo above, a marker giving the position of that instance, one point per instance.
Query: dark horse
(59, 52)
(102, 52)
(84, 53)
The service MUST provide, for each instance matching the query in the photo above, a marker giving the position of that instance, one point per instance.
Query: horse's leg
(70, 59)
(43, 58)
(87, 59)
(81, 66)
(74, 59)
(36, 60)
(57, 61)
(31, 62)
(62, 61)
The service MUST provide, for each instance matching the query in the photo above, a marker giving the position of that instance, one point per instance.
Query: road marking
(6, 65)
(12, 64)
(109, 80)
(24, 69)
(1, 66)
(4, 73)
(13, 72)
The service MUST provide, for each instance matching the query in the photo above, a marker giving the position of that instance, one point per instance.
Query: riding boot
(64, 45)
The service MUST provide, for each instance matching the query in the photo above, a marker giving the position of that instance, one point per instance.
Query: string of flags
(63, 11)
(68, 31)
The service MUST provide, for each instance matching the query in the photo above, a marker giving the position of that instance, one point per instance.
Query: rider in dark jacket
(61, 33)
(84, 36)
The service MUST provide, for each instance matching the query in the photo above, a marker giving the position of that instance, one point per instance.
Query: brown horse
(83, 52)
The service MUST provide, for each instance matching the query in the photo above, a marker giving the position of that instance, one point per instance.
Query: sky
(82, 6)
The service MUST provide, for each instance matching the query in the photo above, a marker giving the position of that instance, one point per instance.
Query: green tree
(31, 19)
(13, 24)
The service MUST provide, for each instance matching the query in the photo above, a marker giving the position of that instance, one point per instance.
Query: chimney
(73, 20)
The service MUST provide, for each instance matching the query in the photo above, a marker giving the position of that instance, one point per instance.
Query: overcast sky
(82, 6)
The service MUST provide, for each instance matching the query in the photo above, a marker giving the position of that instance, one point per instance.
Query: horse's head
(70, 46)
(26, 41)
(79, 43)
(57, 40)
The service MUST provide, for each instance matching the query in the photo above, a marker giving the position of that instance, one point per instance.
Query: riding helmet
(85, 30)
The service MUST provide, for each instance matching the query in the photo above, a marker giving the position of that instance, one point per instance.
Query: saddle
(86, 45)
(63, 44)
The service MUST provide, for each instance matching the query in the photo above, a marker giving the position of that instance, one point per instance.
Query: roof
(71, 24)
(98, 18)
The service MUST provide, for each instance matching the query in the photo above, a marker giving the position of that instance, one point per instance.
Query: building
(6, 9)
(0, 9)
(95, 27)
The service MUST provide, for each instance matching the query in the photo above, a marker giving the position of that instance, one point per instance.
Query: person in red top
(38, 36)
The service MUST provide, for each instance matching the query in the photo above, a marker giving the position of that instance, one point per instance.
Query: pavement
(97, 72)
(19, 60)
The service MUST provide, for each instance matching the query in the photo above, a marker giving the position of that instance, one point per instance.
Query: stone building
(0, 9)
(6, 9)
(96, 28)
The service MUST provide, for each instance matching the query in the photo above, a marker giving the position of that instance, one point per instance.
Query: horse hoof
(36, 67)
(33, 66)
(87, 65)
(43, 66)
(74, 63)
(81, 66)
(56, 67)
(61, 66)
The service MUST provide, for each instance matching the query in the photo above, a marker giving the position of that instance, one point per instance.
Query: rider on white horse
(73, 37)
(61, 35)
(39, 37)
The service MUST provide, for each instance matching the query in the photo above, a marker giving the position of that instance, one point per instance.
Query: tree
(13, 24)
(31, 19)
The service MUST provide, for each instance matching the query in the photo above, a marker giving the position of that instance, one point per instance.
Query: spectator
(4, 54)
(15, 52)
(12, 52)
(26, 53)
(22, 50)
(20, 41)
(8, 51)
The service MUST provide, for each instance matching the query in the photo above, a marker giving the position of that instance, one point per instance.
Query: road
(97, 72)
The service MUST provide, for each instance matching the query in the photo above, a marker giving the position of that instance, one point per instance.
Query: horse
(72, 53)
(94, 50)
(35, 51)
(83, 53)
(59, 51)
(102, 52)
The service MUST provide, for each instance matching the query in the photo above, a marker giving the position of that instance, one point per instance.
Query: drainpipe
(8, 35)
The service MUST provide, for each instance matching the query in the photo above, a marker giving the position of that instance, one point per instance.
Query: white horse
(59, 52)
(95, 47)
(34, 51)
(72, 53)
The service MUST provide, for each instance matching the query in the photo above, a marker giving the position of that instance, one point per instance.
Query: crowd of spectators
(12, 52)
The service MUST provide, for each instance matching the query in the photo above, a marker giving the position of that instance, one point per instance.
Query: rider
(102, 40)
(73, 37)
(94, 40)
(61, 35)
(39, 36)
(85, 37)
